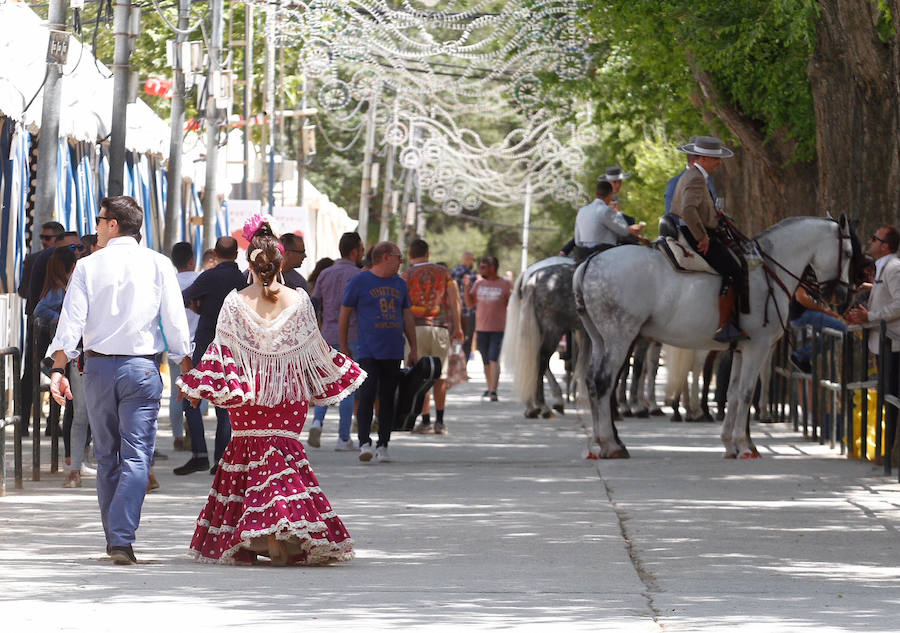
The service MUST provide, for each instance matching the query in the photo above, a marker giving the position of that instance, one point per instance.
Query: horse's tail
(582, 363)
(523, 336)
(678, 363)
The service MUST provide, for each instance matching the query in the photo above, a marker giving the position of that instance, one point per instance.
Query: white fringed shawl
(284, 359)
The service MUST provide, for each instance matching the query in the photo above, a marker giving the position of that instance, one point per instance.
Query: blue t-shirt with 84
(379, 303)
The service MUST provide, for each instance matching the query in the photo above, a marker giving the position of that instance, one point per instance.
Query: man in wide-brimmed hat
(694, 206)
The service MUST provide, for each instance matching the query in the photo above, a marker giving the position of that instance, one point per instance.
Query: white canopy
(87, 86)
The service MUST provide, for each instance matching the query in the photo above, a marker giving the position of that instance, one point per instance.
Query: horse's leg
(695, 413)
(652, 367)
(639, 405)
(707, 379)
(548, 346)
(622, 391)
(741, 394)
(763, 411)
(556, 392)
(606, 364)
(728, 433)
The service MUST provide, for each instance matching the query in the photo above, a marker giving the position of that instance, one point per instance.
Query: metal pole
(121, 18)
(210, 193)
(270, 96)
(387, 195)
(48, 144)
(173, 170)
(526, 218)
(301, 157)
(366, 191)
(248, 95)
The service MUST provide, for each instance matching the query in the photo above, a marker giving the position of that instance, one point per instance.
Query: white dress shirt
(185, 279)
(598, 223)
(123, 300)
(884, 300)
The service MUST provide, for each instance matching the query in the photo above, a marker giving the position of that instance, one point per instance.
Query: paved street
(499, 525)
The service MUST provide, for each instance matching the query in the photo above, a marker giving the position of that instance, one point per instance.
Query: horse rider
(695, 209)
(600, 224)
(668, 223)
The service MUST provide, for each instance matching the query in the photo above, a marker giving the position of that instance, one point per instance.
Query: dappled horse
(541, 309)
(632, 290)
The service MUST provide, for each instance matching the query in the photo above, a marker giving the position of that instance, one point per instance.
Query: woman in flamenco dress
(269, 365)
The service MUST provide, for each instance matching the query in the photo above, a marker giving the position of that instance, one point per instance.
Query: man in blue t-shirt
(381, 301)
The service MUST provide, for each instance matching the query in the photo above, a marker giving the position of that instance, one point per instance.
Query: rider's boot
(728, 332)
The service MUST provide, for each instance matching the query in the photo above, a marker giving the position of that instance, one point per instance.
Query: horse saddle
(681, 256)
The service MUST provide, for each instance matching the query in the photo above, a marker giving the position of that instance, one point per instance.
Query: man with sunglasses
(125, 303)
(294, 254)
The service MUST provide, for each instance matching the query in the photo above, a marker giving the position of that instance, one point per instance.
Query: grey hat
(614, 173)
(706, 146)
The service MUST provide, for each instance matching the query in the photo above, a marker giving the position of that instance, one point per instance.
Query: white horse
(631, 290)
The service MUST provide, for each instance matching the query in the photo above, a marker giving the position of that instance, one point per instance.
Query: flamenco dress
(268, 373)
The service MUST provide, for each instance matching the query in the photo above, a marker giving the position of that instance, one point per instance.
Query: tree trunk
(761, 184)
(853, 75)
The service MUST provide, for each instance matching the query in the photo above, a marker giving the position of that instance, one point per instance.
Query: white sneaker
(381, 454)
(87, 470)
(344, 445)
(314, 438)
(366, 452)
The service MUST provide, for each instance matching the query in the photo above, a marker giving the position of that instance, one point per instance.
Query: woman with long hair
(59, 269)
(268, 364)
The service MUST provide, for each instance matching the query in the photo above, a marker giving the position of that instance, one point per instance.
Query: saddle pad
(414, 383)
(682, 257)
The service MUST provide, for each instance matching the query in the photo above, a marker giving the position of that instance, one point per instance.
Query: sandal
(73, 480)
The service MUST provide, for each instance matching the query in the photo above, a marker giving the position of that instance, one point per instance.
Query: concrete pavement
(499, 525)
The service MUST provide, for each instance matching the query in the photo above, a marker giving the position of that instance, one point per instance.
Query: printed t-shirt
(491, 297)
(379, 304)
(428, 285)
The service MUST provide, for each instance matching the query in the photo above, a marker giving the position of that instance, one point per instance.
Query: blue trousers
(817, 320)
(123, 395)
(345, 408)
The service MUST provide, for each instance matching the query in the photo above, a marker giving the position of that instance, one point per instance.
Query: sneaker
(440, 428)
(366, 453)
(87, 470)
(493, 396)
(800, 363)
(344, 445)
(315, 434)
(381, 454)
(122, 555)
(423, 429)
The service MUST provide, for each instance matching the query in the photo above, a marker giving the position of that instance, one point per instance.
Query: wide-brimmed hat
(706, 146)
(614, 173)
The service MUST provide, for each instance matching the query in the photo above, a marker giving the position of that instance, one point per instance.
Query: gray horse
(540, 311)
(631, 290)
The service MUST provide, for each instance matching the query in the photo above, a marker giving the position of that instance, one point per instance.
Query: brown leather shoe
(153, 483)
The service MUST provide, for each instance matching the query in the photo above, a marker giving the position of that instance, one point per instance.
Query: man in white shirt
(125, 303)
(184, 262)
(598, 225)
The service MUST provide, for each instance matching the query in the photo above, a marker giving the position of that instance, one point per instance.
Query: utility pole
(48, 144)
(271, 18)
(526, 219)
(300, 151)
(366, 191)
(121, 70)
(173, 171)
(248, 95)
(387, 195)
(210, 194)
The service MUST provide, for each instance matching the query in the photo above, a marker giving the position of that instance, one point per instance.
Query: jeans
(345, 408)
(817, 320)
(79, 431)
(195, 428)
(381, 383)
(124, 393)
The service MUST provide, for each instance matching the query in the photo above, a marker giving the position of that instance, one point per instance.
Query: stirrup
(730, 334)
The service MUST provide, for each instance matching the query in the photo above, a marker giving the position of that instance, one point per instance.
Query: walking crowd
(262, 345)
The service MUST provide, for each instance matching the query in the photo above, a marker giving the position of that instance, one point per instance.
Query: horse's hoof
(748, 454)
(766, 420)
(592, 453)
(676, 417)
(626, 413)
(656, 412)
(706, 417)
(559, 408)
(546, 414)
(642, 413)
(532, 413)
(619, 453)
(720, 416)
(729, 456)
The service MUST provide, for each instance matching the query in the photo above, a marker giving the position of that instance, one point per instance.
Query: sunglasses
(103, 217)
(76, 247)
(47, 238)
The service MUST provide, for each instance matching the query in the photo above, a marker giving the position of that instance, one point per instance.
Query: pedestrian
(268, 362)
(208, 260)
(328, 291)
(322, 264)
(380, 299)
(209, 290)
(294, 254)
(884, 305)
(183, 259)
(489, 295)
(464, 270)
(435, 309)
(124, 302)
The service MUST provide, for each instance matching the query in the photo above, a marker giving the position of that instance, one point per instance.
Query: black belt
(92, 354)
